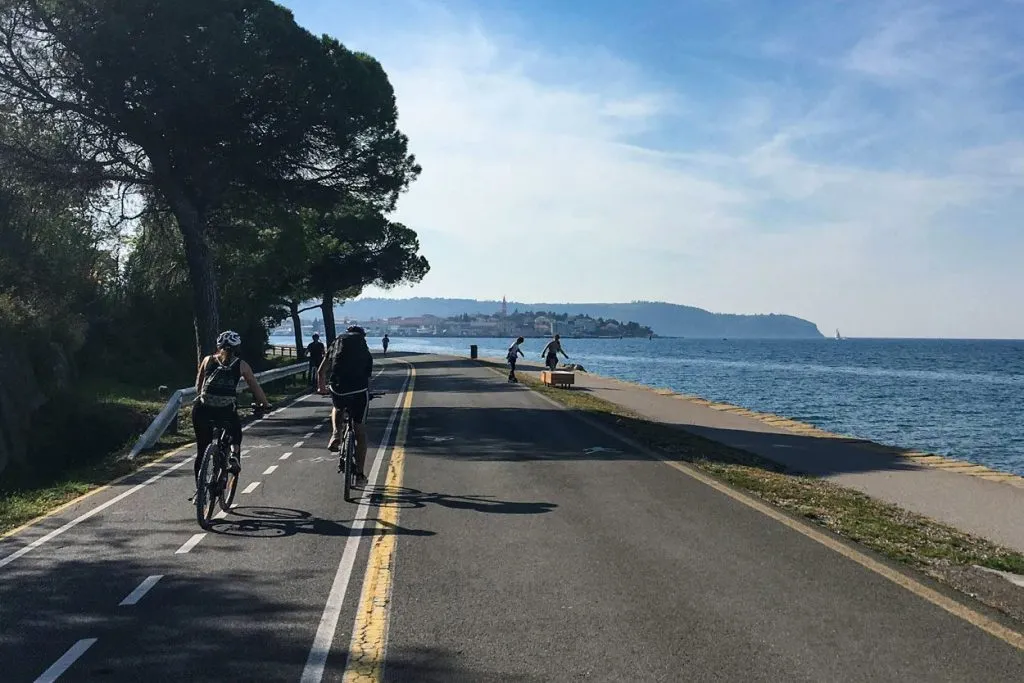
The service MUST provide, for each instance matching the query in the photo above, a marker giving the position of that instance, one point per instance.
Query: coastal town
(508, 324)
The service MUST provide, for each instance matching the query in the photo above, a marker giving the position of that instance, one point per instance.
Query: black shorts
(357, 403)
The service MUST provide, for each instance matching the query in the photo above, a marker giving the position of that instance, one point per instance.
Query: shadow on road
(277, 522)
(399, 497)
(455, 425)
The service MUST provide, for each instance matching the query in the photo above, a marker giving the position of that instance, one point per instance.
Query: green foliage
(205, 106)
(261, 161)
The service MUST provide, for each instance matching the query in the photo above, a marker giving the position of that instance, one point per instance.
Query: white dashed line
(317, 428)
(286, 456)
(95, 511)
(308, 436)
(298, 444)
(189, 544)
(251, 487)
(65, 662)
(137, 594)
(269, 470)
(221, 515)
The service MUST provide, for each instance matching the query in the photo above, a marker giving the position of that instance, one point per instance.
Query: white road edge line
(113, 501)
(64, 663)
(143, 588)
(269, 470)
(251, 487)
(317, 660)
(189, 544)
(95, 511)
(286, 456)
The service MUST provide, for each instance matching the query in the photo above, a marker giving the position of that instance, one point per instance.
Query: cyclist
(345, 373)
(217, 394)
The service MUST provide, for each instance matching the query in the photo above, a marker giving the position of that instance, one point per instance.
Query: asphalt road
(505, 540)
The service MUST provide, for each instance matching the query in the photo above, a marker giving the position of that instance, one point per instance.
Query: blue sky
(860, 164)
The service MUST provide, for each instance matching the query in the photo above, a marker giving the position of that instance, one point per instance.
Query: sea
(959, 398)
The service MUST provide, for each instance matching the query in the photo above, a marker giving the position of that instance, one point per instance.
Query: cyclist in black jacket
(345, 374)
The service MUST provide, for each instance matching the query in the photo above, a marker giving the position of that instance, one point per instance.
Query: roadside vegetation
(945, 554)
(31, 495)
(147, 203)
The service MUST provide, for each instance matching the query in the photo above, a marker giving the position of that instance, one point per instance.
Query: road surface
(504, 540)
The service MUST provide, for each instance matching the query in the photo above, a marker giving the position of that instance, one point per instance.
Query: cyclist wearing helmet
(345, 373)
(217, 393)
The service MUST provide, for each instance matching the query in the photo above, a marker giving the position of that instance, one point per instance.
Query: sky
(856, 163)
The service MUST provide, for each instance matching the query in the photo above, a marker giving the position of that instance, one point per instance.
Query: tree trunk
(327, 307)
(206, 313)
(293, 308)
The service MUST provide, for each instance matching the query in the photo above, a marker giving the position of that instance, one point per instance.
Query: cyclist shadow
(403, 497)
(278, 522)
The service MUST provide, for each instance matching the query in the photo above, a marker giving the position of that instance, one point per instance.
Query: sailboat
(838, 337)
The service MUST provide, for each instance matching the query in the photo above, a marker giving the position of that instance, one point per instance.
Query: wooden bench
(558, 378)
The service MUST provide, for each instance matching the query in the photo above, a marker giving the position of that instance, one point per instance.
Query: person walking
(385, 342)
(315, 354)
(513, 355)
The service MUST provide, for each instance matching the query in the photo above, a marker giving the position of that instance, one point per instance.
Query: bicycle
(347, 454)
(216, 482)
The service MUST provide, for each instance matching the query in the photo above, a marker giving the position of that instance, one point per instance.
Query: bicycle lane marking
(64, 663)
(370, 632)
(21, 552)
(317, 661)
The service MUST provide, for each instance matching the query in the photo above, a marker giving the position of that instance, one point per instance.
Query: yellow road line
(370, 633)
(100, 489)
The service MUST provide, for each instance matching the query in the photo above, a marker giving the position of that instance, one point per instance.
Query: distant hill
(669, 320)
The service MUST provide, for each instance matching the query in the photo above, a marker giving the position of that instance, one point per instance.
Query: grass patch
(905, 537)
(110, 422)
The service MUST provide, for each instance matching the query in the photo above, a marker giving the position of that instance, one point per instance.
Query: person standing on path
(513, 355)
(315, 353)
(551, 351)
(385, 342)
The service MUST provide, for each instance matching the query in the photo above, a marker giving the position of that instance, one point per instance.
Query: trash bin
(472, 350)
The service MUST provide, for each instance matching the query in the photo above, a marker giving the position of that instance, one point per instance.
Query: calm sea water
(964, 399)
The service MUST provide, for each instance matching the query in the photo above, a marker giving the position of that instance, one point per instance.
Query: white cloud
(550, 177)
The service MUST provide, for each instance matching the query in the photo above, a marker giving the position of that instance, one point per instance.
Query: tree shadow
(228, 624)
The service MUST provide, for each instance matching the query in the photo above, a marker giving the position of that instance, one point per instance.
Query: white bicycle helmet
(229, 339)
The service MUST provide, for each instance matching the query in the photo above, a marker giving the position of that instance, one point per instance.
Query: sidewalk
(968, 497)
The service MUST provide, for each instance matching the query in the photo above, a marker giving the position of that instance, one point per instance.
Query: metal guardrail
(169, 414)
(282, 351)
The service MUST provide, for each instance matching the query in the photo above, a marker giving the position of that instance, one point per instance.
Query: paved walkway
(988, 504)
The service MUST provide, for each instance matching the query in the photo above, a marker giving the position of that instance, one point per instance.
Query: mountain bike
(347, 454)
(216, 483)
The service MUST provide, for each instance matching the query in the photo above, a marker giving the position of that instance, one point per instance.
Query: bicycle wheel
(206, 495)
(229, 483)
(349, 463)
